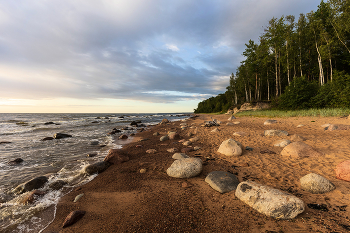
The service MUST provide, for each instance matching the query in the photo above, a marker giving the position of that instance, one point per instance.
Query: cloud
(128, 49)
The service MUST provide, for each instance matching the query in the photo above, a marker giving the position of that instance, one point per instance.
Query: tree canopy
(296, 63)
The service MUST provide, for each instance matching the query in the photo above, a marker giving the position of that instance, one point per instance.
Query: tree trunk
(236, 100)
(287, 63)
(246, 93)
(301, 70)
(256, 86)
(279, 71)
(268, 84)
(319, 59)
(276, 71)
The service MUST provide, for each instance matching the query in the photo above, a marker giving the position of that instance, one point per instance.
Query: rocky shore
(219, 175)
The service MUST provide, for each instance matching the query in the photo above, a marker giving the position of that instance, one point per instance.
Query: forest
(296, 64)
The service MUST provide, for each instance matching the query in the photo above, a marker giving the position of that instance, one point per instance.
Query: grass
(328, 112)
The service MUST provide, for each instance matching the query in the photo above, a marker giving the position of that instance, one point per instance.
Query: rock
(196, 148)
(132, 134)
(187, 143)
(91, 155)
(114, 157)
(96, 167)
(30, 198)
(133, 123)
(297, 138)
(190, 134)
(15, 162)
(94, 122)
(325, 126)
(282, 143)
(221, 181)
(299, 126)
(315, 183)
(195, 139)
(78, 197)
(230, 147)
(73, 217)
(240, 134)
(164, 138)
(174, 136)
(47, 139)
(299, 149)
(236, 123)
(61, 135)
(156, 134)
(231, 118)
(57, 185)
(342, 170)
(35, 183)
(269, 201)
(151, 151)
(270, 122)
(180, 156)
(215, 130)
(274, 132)
(94, 143)
(124, 136)
(229, 124)
(249, 148)
(49, 123)
(164, 121)
(183, 127)
(172, 150)
(143, 170)
(267, 151)
(187, 149)
(185, 168)
(339, 127)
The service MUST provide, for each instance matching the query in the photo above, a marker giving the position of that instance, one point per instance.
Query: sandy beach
(123, 199)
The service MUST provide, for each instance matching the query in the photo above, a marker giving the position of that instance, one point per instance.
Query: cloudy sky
(128, 56)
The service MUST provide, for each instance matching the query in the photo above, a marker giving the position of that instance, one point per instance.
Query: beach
(137, 195)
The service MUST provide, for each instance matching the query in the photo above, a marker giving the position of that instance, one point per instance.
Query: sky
(126, 56)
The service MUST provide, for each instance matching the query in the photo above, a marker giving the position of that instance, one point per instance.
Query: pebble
(78, 197)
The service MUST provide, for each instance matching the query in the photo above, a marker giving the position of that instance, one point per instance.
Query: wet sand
(121, 199)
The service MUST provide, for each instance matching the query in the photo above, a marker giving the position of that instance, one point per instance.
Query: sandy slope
(122, 199)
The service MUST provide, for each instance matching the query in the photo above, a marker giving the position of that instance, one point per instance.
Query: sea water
(59, 159)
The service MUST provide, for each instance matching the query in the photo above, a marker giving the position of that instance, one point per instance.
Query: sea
(58, 159)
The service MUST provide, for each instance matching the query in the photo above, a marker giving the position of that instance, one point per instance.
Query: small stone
(215, 130)
(164, 121)
(229, 124)
(57, 185)
(180, 156)
(231, 118)
(236, 122)
(94, 143)
(143, 170)
(115, 156)
(61, 135)
(282, 143)
(342, 170)
(173, 136)
(172, 150)
(151, 151)
(189, 134)
(270, 122)
(274, 132)
(124, 136)
(138, 146)
(187, 149)
(96, 167)
(47, 139)
(315, 183)
(15, 162)
(156, 134)
(73, 217)
(35, 183)
(196, 148)
(91, 155)
(185, 185)
(299, 126)
(187, 143)
(240, 134)
(299, 149)
(78, 197)
(249, 148)
(164, 138)
(30, 198)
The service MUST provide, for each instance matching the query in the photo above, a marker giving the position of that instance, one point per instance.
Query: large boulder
(96, 167)
(269, 201)
(61, 135)
(342, 170)
(185, 168)
(275, 132)
(315, 183)
(230, 147)
(35, 183)
(221, 181)
(300, 149)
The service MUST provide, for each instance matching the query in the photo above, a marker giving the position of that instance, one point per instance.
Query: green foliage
(326, 112)
(298, 94)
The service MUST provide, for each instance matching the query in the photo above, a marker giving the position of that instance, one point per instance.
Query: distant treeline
(296, 64)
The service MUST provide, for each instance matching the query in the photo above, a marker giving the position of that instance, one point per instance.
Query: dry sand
(122, 199)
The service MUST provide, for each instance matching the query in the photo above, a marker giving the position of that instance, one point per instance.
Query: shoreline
(121, 199)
